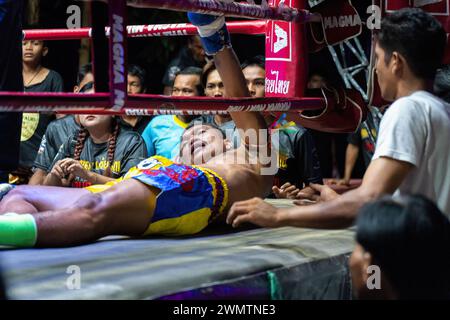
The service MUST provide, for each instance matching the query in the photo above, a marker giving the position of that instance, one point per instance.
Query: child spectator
(36, 78)
(59, 131)
(99, 153)
(136, 85)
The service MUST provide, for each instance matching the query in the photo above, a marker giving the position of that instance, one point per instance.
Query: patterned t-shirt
(366, 135)
(298, 162)
(130, 150)
(57, 133)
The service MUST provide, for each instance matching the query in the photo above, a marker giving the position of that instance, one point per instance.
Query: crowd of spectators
(78, 151)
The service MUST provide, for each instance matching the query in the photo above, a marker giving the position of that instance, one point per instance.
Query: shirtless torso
(244, 180)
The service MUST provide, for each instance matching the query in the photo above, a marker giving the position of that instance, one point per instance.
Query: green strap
(18, 230)
(275, 288)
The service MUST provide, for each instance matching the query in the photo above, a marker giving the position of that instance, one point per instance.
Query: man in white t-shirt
(413, 148)
(416, 131)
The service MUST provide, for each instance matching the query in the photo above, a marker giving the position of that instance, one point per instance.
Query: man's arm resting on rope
(383, 176)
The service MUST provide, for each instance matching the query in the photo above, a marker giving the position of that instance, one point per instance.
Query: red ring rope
(118, 102)
(232, 9)
(151, 30)
(151, 104)
(148, 104)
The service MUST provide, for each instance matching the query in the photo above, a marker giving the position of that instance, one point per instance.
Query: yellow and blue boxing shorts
(190, 197)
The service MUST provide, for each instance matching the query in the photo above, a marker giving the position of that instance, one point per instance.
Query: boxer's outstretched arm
(216, 42)
(228, 66)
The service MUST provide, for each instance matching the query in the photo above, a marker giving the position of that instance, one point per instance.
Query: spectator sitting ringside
(331, 147)
(163, 134)
(298, 164)
(442, 83)
(191, 55)
(36, 78)
(97, 154)
(214, 88)
(136, 85)
(59, 131)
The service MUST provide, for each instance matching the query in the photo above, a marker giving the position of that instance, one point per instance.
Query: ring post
(99, 46)
(118, 70)
(286, 55)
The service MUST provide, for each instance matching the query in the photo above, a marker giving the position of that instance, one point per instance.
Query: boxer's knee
(15, 200)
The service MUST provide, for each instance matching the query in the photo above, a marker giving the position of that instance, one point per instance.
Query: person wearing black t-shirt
(36, 78)
(100, 152)
(59, 130)
(298, 162)
(136, 85)
(442, 83)
(364, 141)
(192, 55)
(330, 146)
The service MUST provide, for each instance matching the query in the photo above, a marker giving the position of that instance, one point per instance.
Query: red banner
(286, 55)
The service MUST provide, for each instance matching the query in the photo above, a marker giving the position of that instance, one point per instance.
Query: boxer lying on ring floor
(156, 197)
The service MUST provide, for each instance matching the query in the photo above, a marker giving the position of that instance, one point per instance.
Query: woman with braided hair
(100, 152)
